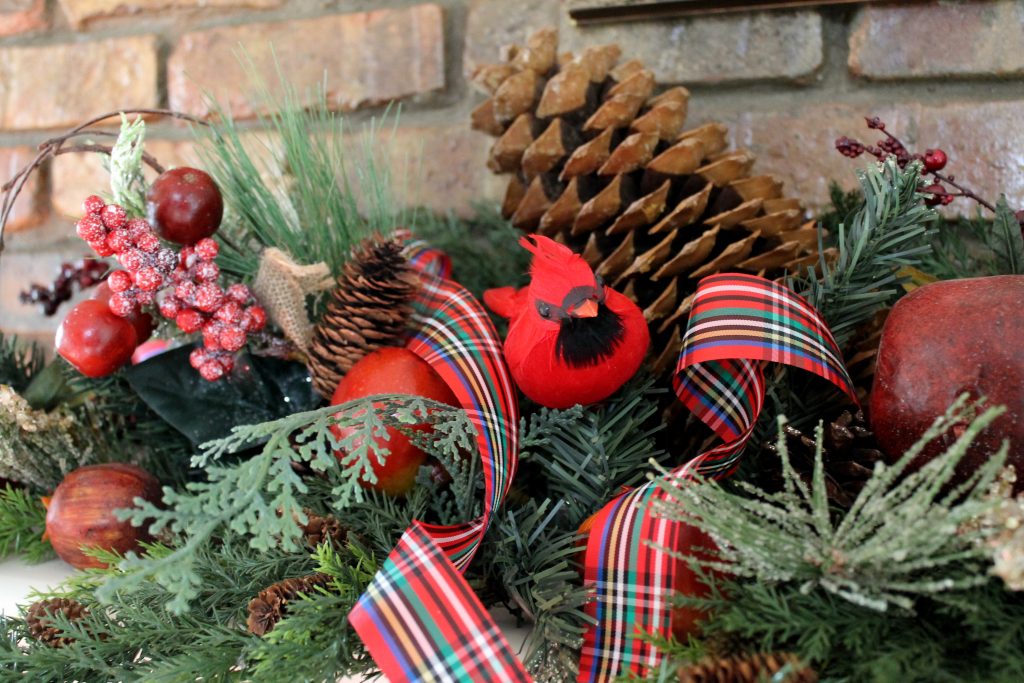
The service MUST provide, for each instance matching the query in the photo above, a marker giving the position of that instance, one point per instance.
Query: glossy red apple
(393, 371)
(142, 322)
(94, 340)
(81, 511)
(184, 205)
(942, 340)
(692, 541)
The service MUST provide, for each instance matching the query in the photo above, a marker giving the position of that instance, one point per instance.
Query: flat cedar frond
(258, 498)
(904, 536)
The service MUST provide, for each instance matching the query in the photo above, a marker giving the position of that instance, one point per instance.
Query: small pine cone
(849, 454)
(368, 309)
(41, 626)
(271, 604)
(319, 528)
(749, 669)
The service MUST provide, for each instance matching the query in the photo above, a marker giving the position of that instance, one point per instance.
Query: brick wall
(787, 84)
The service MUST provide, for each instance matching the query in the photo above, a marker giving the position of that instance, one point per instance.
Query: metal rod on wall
(664, 9)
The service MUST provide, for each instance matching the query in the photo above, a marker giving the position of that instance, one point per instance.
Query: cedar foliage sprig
(903, 537)
(258, 498)
(22, 523)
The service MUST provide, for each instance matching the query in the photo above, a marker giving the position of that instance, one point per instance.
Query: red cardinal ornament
(570, 339)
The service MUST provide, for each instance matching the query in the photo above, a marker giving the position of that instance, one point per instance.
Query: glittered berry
(90, 228)
(207, 271)
(93, 204)
(122, 305)
(254, 319)
(189, 321)
(165, 261)
(148, 242)
(211, 334)
(206, 249)
(132, 259)
(101, 248)
(209, 297)
(119, 240)
(231, 338)
(114, 216)
(169, 307)
(211, 370)
(934, 160)
(119, 281)
(230, 312)
(184, 205)
(197, 358)
(148, 279)
(186, 291)
(227, 361)
(239, 293)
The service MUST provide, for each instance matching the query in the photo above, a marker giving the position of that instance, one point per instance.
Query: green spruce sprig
(22, 523)
(259, 498)
(905, 535)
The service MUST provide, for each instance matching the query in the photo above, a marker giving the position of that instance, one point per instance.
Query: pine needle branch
(904, 536)
(22, 523)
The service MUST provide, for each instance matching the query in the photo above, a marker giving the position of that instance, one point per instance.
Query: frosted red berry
(207, 271)
(148, 242)
(119, 280)
(90, 228)
(197, 358)
(231, 338)
(122, 305)
(114, 216)
(148, 279)
(169, 307)
(211, 370)
(119, 240)
(229, 312)
(144, 297)
(935, 160)
(101, 248)
(209, 297)
(131, 259)
(165, 261)
(227, 361)
(186, 291)
(206, 249)
(189, 321)
(239, 293)
(254, 319)
(93, 204)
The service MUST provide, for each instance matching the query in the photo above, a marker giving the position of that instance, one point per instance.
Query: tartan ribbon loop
(419, 619)
(738, 323)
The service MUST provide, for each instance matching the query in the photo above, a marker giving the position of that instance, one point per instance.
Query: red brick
(21, 16)
(80, 12)
(490, 26)
(715, 49)
(61, 85)
(29, 207)
(442, 168)
(368, 57)
(927, 40)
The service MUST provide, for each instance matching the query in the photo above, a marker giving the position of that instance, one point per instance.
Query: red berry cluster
(191, 295)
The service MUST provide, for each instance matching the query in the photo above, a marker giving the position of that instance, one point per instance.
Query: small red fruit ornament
(942, 340)
(570, 339)
(393, 371)
(934, 160)
(94, 340)
(81, 511)
(140, 320)
(184, 205)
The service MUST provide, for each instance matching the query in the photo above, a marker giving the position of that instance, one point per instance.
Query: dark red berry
(938, 194)
(934, 159)
(93, 204)
(184, 205)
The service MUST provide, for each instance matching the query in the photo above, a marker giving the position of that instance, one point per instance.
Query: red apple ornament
(942, 340)
(81, 511)
(184, 205)
(94, 340)
(393, 371)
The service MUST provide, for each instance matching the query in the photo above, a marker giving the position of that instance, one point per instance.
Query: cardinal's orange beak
(587, 309)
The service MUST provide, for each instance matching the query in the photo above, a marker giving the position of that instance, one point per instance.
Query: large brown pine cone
(40, 622)
(603, 164)
(271, 604)
(749, 669)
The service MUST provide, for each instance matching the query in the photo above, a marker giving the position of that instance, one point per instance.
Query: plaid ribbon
(427, 259)
(737, 323)
(419, 619)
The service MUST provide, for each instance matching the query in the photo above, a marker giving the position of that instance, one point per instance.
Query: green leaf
(260, 389)
(1009, 246)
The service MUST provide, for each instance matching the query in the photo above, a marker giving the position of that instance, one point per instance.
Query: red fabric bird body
(571, 339)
